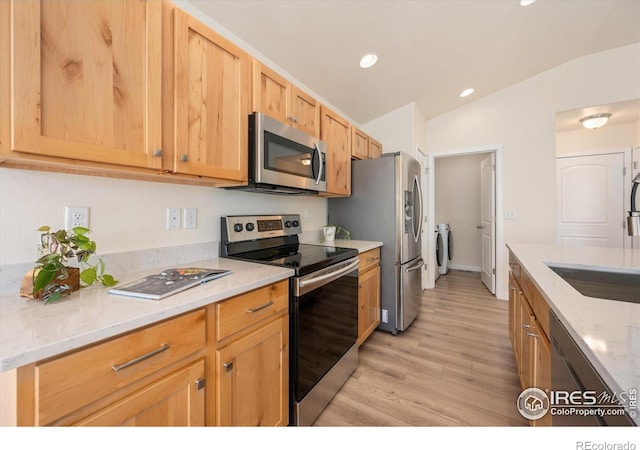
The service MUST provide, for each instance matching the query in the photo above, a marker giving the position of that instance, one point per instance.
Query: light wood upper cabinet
(212, 100)
(278, 98)
(375, 148)
(87, 80)
(336, 132)
(359, 144)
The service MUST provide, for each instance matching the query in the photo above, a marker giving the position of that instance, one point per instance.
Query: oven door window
(285, 156)
(326, 326)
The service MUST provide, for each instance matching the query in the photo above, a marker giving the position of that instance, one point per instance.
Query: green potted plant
(330, 232)
(51, 278)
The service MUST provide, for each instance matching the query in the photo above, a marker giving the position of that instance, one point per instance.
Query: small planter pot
(26, 287)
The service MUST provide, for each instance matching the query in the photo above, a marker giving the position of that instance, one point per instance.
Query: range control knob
(296, 223)
(287, 224)
(249, 226)
(237, 227)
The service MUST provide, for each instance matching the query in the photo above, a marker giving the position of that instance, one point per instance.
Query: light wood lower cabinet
(175, 400)
(368, 294)
(252, 358)
(224, 364)
(528, 330)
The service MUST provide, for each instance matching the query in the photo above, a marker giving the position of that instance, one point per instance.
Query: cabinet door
(87, 80)
(175, 400)
(368, 303)
(513, 302)
(375, 148)
(212, 101)
(542, 364)
(528, 344)
(305, 112)
(359, 144)
(271, 93)
(252, 378)
(336, 132)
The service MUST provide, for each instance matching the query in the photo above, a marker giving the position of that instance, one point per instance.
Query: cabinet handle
(524, 325)
(201, 383)
(228, 366)
(266, 305)
(373, 259)
(532, 334)
(184, 157)
(118, 367)
(157, 152)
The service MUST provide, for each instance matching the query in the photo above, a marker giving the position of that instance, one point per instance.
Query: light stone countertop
(361, 246)
(31, 331)
(607, 331)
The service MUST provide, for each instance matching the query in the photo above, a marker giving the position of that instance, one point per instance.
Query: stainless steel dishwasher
(571, 372)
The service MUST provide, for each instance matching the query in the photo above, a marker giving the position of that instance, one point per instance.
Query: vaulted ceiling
(428, 50)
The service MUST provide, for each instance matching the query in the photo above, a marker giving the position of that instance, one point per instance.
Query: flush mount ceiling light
(526, 2)
(368, 60)
(595, 121)
(466, 92)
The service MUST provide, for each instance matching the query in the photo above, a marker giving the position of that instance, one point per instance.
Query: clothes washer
(443, 247)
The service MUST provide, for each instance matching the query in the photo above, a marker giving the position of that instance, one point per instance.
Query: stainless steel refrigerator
(386, 206)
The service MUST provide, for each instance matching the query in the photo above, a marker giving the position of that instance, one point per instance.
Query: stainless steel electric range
(323, 305)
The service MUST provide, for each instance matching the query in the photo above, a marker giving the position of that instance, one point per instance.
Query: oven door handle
(331, 275)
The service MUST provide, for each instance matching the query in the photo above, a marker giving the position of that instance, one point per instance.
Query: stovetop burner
(274, 240)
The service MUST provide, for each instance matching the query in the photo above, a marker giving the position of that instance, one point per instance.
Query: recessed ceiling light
(526, 2)
(466, 92)
(368, 60)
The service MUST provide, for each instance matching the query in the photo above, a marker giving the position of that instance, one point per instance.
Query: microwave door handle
(316, 149)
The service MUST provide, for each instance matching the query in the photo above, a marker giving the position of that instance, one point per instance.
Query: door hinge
(624, 171)
(493, 271)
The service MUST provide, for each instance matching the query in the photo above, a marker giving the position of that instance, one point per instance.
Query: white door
(590, 196)
(488, 218)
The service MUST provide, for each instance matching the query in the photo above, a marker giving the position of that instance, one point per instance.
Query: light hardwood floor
(454, 366)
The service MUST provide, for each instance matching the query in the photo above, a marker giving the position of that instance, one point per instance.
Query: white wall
(609, 137)
(521, 119)
(457, 202)
(402, 129)
(125, 214)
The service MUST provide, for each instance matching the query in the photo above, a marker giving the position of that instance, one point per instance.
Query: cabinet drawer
(541, 310)
(245, 310)
(67, 383)
(369, 259)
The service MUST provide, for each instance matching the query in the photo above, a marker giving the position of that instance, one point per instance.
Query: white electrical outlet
(75, 216)
(190, 218)
(173, 218)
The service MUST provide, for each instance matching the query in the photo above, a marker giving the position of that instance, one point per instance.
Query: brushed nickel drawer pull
(118, 367)
(201, 383)
(373, 259)
(157, 152)
(228, 366)
(266, 305)
(532, 334)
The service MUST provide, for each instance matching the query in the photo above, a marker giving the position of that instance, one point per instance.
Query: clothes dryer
(443, 248)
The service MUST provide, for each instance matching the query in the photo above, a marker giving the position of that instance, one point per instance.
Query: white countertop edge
(139, 312)
(561, 298)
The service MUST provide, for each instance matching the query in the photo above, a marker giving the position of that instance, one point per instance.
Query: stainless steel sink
(610, 285)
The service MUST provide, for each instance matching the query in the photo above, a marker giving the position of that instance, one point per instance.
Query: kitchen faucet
(633, 221)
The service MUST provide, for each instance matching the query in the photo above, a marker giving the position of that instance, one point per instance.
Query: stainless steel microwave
(284, 160)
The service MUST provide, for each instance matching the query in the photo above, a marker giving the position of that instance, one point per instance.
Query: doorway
(496, 255)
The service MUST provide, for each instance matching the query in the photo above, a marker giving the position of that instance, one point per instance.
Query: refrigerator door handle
(415, 266)
(417, 217)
